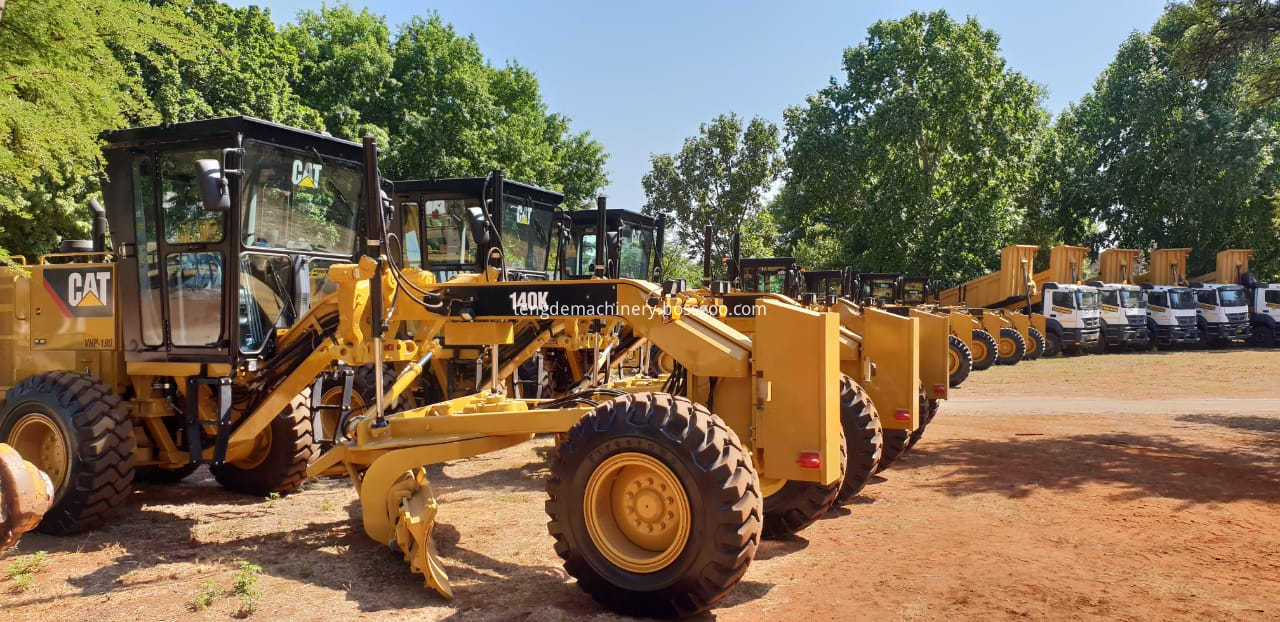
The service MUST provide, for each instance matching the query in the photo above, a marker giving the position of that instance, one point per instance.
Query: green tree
(1231, 30)
(718, 178)
(917, 159)
(1166, 159)
(63, 84)
(344, 64)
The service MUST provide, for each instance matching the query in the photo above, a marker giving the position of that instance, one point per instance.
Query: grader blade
(414, 522)
(25, 495)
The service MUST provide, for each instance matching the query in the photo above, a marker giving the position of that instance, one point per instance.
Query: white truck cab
(1264, 312)
(1071, 314)
(1171, 315)
(1123, 308)
(1223, 312)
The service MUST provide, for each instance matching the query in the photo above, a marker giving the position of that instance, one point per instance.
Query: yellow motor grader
(250, 263)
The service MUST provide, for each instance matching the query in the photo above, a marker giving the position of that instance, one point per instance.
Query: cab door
(172, 267)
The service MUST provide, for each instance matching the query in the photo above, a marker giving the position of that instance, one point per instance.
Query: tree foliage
(718, 178)
(1230, 30)
(74, 68)
(1160, 159)
(917, 159)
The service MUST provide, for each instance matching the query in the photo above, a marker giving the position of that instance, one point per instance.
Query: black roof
(615, 217)
(767, 262)
(228, 127)
(475, 187)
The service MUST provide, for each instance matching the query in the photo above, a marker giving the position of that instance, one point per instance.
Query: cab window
(1272, 296)
(1159, 299)
(1207, 296)
(1110, 297)
(1064, 299)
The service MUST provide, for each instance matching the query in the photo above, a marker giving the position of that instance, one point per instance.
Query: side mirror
(213, 186)
(479, 226)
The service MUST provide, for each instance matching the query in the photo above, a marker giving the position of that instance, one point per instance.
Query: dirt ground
(1137, 486)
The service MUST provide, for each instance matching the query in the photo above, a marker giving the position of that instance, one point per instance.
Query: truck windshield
(1130, 299)
(1182, 299)
(882, 290)
(299, 201)
(1231, 296)
(1087, 301)
(635, 248)
(913, 293)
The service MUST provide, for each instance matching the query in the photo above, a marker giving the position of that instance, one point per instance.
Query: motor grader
(183, 357)
(894, 346)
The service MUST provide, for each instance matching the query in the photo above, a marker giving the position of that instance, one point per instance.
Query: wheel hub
(1006, 347)
(42, 443)
(953, 361)
(637, 512)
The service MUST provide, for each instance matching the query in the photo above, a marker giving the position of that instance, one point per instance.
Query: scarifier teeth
(25, 495)
(417, 517)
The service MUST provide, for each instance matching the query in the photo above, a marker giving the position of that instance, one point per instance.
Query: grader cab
(252, 265)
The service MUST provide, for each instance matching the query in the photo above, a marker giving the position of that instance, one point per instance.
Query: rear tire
(76, 430)
(984, 355)
(1035, 347)
(1012, 347)
(895, 445)
(928, 410)
(960, 360)
(862, 434)
(797, 505)
(722, 506)
(281, 467)
(1263, 336)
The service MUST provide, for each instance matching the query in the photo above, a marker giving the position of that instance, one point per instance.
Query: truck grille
(1091, 322)
(1237, 317)
(1186, 320)
(1137, 321)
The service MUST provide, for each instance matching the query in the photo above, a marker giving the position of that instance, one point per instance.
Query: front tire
(1052, 344)
(279, 463)
(984, 350)
(1036, 346)
(1263, 336)
(644, 441)
(76, 430)
(1012, 347)
(960, 360)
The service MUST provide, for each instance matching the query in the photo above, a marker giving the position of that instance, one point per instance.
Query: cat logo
(306, 174)
(80, 293)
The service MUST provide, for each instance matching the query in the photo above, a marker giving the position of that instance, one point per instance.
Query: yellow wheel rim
(41, 442)
(637, 513)
(666, 363)
(261, 449)
(328, 417)
(953, 361)
(1006, 348)
(979, 350)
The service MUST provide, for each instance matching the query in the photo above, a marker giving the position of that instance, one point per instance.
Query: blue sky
(641, 76)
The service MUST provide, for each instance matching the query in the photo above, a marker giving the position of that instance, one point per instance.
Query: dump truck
(1171, 305)
(1122, 303)
(1223, 314)
(155, 352)
(1264, 304)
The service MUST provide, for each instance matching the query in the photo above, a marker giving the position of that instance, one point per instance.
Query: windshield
(635, 247)
(882, 290)
(1231, 296)
(1130, 299)
(1086, 300)
(526, 235)
(1182, 299)
(913, 293)
(299, 201)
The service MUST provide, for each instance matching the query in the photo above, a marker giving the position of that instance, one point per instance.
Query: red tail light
(902, 415)
(809, 460)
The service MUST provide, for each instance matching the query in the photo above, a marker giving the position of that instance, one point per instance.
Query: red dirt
(1116, 496)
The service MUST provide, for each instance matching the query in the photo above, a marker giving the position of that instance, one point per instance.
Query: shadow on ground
(1136, 465)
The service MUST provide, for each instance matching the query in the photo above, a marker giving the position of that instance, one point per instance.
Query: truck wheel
(1035, 347)
(959, 360)
(1263, 336)
(654, 506)
(895, 445)
(863, 435)
(928, 410)
(984, 350)
(1011, 346)
(795, 505)
(1052, 344)
(278, 462)
(79, 433)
